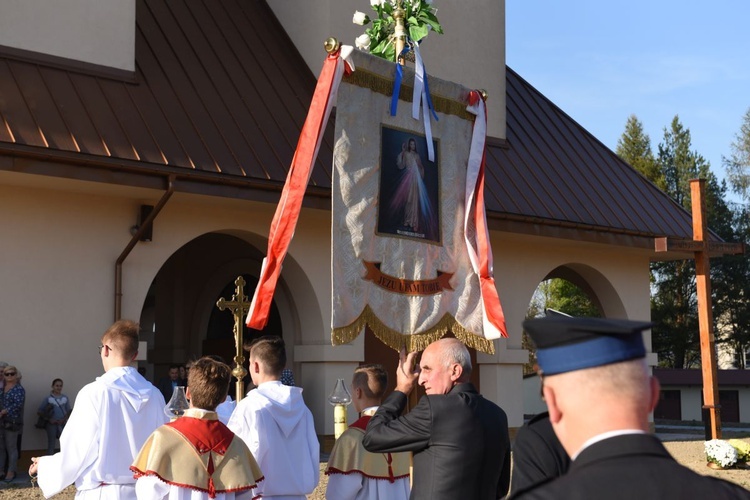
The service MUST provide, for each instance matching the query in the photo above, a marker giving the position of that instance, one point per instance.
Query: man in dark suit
(459, 439)
(537, 454)
(599, 394)
(167, 384)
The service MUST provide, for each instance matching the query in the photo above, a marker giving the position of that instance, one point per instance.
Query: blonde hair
(11, 367)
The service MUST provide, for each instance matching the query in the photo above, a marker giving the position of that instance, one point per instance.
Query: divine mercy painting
(409, 195)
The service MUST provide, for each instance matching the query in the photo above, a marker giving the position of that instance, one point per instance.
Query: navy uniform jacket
(632, 466)
(459, 440)
(537, 454)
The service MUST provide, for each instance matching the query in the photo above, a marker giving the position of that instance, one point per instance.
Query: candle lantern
(340, 399)
(178, 403)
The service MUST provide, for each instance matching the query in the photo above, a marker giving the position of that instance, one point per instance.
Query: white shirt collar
(605, 435)
(369, 411)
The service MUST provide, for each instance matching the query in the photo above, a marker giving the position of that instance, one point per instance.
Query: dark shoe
(9, 478)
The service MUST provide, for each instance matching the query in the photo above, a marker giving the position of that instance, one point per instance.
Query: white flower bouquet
(721, 453)
(378, 39)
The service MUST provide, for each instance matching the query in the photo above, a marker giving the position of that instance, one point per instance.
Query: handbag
(12, 424)
(44, 417)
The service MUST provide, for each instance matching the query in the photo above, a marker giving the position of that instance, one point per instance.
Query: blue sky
(601, 61)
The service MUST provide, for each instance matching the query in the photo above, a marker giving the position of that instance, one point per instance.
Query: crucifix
(703, 250)
(239, 306)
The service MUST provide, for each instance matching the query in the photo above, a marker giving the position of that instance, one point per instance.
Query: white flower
(720, 452)
(360, 18)
(376, 3)
(362, 42)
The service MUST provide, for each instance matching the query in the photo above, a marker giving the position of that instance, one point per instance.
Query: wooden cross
(703, 251)
(239, 306)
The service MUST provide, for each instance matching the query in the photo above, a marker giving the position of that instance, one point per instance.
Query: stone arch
(596, 285)
(182, 295)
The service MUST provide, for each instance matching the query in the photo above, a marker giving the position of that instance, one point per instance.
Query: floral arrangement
(743, 449)
(379, 39)
(720, 452)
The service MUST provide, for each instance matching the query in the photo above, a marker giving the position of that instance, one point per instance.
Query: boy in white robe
(196, 457)
(111, 420)
(353, 472)
(277, 426)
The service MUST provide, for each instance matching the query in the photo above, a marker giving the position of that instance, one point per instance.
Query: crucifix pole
(239, 306)
(399, 32)
(705, 312)
(702, 249)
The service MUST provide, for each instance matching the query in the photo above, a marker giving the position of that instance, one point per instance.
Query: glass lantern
(177, 404)
(340, 399)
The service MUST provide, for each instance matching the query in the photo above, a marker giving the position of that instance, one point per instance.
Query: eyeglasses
(103, 346)
(10, 374)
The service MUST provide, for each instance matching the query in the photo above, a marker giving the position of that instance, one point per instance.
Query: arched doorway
(180, 319)
(575, 289)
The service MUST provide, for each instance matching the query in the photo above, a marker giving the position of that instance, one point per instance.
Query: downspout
(133, 241)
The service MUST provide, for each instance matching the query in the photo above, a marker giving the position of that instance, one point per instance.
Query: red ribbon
(493, 311)
(290, 204)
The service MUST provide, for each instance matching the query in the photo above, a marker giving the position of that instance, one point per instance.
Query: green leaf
(416, 33)
(384, 49)
(432, 20)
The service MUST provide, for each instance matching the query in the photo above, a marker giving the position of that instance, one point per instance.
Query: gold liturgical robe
(198, 452)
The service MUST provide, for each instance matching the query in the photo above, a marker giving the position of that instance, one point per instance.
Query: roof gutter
(134, 240)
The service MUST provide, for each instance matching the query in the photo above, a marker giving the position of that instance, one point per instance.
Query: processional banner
(410, 246)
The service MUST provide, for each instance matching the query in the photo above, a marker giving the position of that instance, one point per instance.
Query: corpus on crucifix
(703, 249)
(238, 306)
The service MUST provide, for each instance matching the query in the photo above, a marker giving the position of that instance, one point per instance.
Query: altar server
(277, 426)
(353, 472)
(197, 457)
(111, 420)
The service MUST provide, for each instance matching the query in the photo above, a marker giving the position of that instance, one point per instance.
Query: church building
(186, 114)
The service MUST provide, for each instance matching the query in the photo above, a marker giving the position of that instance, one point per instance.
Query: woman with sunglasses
(12, 400)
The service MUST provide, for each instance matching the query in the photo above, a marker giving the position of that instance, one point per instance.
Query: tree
(737, 166)
(634, 147)
(560, 295)
(732, 303)
(674, 301)
(675, 335)
(733, 318)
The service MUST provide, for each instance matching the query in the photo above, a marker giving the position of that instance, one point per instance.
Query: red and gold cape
(197, 451)
(350, 457)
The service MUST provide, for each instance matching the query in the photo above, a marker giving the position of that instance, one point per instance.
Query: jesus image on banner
(408, 204)
(409, 192)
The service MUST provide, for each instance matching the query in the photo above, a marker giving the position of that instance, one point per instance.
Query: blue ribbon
(397, 82)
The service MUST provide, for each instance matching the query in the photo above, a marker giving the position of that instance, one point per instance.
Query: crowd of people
(119, 443)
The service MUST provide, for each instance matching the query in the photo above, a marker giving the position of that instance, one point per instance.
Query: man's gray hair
(454, 351)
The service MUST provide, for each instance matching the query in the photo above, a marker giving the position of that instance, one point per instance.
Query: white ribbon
(419, 98)
(476, 151)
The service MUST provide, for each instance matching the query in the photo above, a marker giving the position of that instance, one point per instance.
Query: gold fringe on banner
(382, 85)
(417, 342)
